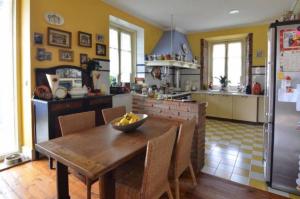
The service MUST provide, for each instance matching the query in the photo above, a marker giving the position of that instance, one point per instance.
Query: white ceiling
(202, 15)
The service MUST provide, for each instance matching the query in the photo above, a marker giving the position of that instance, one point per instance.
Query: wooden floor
(34, 180)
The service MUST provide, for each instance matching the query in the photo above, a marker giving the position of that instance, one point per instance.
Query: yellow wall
(90, 16)
(259, 39)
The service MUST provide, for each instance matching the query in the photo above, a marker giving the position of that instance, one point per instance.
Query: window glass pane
(8, 134)
(114, 62)
(125, 41)
(234, 63)
(126, 64)
(113, 38)
(218, 62)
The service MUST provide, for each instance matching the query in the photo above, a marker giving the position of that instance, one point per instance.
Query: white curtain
(8, 136)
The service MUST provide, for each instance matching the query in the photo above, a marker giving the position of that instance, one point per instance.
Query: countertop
(226, 93)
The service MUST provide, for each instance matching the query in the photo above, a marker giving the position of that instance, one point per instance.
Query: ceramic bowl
(129, 127)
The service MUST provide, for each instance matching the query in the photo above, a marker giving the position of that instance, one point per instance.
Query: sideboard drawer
(100, 101)
(66, 106)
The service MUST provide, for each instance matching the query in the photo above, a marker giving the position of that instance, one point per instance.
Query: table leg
(107, 186)
(62, 181)
(50, 163)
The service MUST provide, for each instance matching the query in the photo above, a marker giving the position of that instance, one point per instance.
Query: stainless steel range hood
(173, 42)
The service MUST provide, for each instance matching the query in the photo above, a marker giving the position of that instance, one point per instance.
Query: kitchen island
(179, 111)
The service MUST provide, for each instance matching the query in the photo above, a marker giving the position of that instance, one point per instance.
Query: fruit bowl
(129, 127)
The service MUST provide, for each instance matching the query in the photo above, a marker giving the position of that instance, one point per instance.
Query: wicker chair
(111, 113)
(149, 179)
(182, 155)
(73, 123)
(76, 122)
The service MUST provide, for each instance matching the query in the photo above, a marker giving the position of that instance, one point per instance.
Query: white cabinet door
(212, 104)
(123, 100)
(245, 108)
(224, 108)
(199, 97)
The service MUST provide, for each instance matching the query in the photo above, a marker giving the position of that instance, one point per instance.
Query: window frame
(226, 42)
(132, 33)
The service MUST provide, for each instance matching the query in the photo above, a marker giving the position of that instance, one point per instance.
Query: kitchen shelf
(178, 64)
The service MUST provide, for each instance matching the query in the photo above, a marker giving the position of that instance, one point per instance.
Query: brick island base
(179, 111)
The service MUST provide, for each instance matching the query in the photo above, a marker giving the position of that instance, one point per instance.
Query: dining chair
(149, 179)
(110, 114)
(182, 154)
(73, 123)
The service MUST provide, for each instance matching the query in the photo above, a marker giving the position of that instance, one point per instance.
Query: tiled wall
(178, 111)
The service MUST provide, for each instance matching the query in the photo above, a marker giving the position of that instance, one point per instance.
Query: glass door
(8, 130)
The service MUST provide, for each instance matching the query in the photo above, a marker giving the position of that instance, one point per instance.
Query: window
(227, 60)
(8, 130)
(120, 54)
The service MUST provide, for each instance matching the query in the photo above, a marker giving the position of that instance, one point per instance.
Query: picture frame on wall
(66, 55)
(84, 39)
(59, 38)
(83, 58)
(99, 38)
(101, 49)
(38, 38)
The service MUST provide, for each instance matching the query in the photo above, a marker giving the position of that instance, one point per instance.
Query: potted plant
(224, 82)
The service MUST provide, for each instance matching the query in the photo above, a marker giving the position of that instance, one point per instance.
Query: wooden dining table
(97, 152)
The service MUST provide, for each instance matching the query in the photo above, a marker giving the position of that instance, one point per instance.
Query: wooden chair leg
(177, 190)
(192, 174)
(169, 192)
(88, 189)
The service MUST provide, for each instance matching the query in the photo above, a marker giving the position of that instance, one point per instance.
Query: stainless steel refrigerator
(282, 105)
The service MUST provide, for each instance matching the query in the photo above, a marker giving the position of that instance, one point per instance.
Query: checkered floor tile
(234, 151)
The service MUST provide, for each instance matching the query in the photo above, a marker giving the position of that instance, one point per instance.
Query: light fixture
(233, 12)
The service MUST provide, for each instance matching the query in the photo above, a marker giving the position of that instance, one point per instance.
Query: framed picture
(66, 55)
(101, 49)
(99, 38)
(84, 39)
(38, 38)
(83, 58)
(40, 54)
(59, 38)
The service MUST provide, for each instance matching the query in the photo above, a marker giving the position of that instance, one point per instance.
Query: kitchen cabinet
(245, 108)
(123, 100)
(199, 97)
(219, 106)
(261, 109)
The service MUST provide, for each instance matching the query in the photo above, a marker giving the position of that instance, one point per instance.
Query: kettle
(256, 88)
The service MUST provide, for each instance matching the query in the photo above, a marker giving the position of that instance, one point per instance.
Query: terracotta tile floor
(234, 151)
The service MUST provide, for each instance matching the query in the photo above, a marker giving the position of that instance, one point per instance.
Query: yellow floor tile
(257, 169)
(258, 184)
(223, 174)
(246, 151)
(259, 149)
(244, 160)
(256, 157)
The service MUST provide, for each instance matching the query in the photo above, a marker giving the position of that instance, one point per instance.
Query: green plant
(223, 81)
(92, 65)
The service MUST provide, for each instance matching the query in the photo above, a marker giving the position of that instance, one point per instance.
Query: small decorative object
(96, 80)
(83, 58)
(99, 38)
(54, 18)
(38, 38)
(259, 53)
(66, 55)
(101, 49)
(92, 65)
(40, 54)
(43, 92)
(59, 38)
(61, 92)
(53, 81)
(84, 39)
(224, 82)
(156, 72)
(125, 125)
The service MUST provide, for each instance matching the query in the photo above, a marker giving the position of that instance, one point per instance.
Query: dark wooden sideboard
(46, 125)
